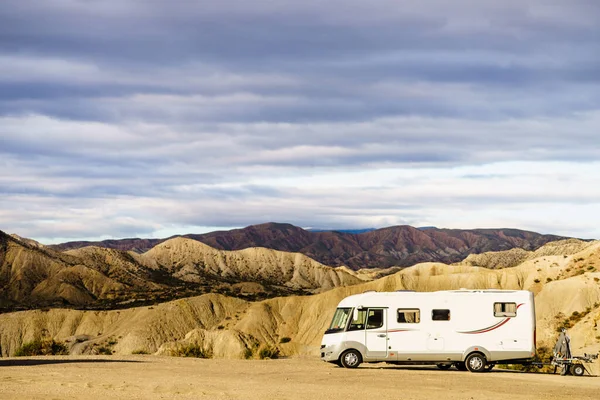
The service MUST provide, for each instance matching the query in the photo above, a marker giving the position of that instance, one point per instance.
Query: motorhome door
(376, 333)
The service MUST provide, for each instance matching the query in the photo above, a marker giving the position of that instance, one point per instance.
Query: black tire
(444, 366)
(577, 369)
(476, 362)
(337, 363)
(351, 359)
(460, 366)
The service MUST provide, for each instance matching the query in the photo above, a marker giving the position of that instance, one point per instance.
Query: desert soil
(151, 377)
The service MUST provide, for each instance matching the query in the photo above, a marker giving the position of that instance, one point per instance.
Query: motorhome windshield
(339, 321)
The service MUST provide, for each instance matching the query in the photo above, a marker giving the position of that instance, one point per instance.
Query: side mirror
(355, 313)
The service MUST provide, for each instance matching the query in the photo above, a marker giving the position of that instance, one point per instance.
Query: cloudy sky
(124, 118)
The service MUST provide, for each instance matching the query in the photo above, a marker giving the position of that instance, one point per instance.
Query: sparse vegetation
(548, 280)
(536, 280)
(285, 340)
(105, 348)
(248, 353)
(220, 327)
(191, 350)
(42, 347)
(268, 352)
(104, 351)
(140, 351)
(575, 317)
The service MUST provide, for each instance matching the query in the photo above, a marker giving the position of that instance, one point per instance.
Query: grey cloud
(190, 103)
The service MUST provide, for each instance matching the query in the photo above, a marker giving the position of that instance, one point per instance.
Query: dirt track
(150, 377)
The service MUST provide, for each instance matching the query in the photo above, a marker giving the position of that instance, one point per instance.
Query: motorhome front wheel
(351, 359)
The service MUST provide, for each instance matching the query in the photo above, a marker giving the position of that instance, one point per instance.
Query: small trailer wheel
(577, 369)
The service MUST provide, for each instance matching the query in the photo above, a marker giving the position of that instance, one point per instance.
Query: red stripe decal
(490, 328)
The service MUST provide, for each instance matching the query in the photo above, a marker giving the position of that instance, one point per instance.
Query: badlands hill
(394, 246)
(567, 289)
(35, 276)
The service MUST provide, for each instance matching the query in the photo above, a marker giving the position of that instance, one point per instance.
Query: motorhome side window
(440, 315)
(505, 309)
(375, 319)
(359, 323)
(409, 315)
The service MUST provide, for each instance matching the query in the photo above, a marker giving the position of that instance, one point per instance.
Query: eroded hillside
(567, 289)
(33, 276)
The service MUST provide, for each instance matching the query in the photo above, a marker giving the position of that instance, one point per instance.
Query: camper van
(468, 329)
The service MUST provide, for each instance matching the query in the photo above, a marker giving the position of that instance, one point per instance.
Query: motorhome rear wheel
(476, 362)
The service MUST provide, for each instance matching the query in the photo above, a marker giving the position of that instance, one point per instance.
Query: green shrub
(140, 351)
(191, 350)
(268, 352)
(285, 340)
(42, 347)
(104, 350)
(248, 353)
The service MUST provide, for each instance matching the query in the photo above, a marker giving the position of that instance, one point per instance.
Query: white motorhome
(470, 329)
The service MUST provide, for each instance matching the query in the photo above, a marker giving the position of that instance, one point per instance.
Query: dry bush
(42, 347)
(268, 352)
(191, 350)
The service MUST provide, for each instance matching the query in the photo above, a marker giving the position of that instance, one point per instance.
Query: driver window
(375, 319)
(359, 323)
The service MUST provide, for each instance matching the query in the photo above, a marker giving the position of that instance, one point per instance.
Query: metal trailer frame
(563, 358)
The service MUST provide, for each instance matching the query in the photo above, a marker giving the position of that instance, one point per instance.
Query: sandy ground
(150, 377)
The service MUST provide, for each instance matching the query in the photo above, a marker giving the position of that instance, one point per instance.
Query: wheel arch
(477, 349)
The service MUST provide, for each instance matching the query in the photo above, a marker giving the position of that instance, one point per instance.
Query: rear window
(505, 309)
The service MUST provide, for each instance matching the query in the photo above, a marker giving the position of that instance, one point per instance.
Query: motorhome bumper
(331, 353)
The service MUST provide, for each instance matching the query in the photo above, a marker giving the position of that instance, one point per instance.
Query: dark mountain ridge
(393, 246)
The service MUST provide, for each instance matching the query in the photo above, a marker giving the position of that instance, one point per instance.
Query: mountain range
(401, 246)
